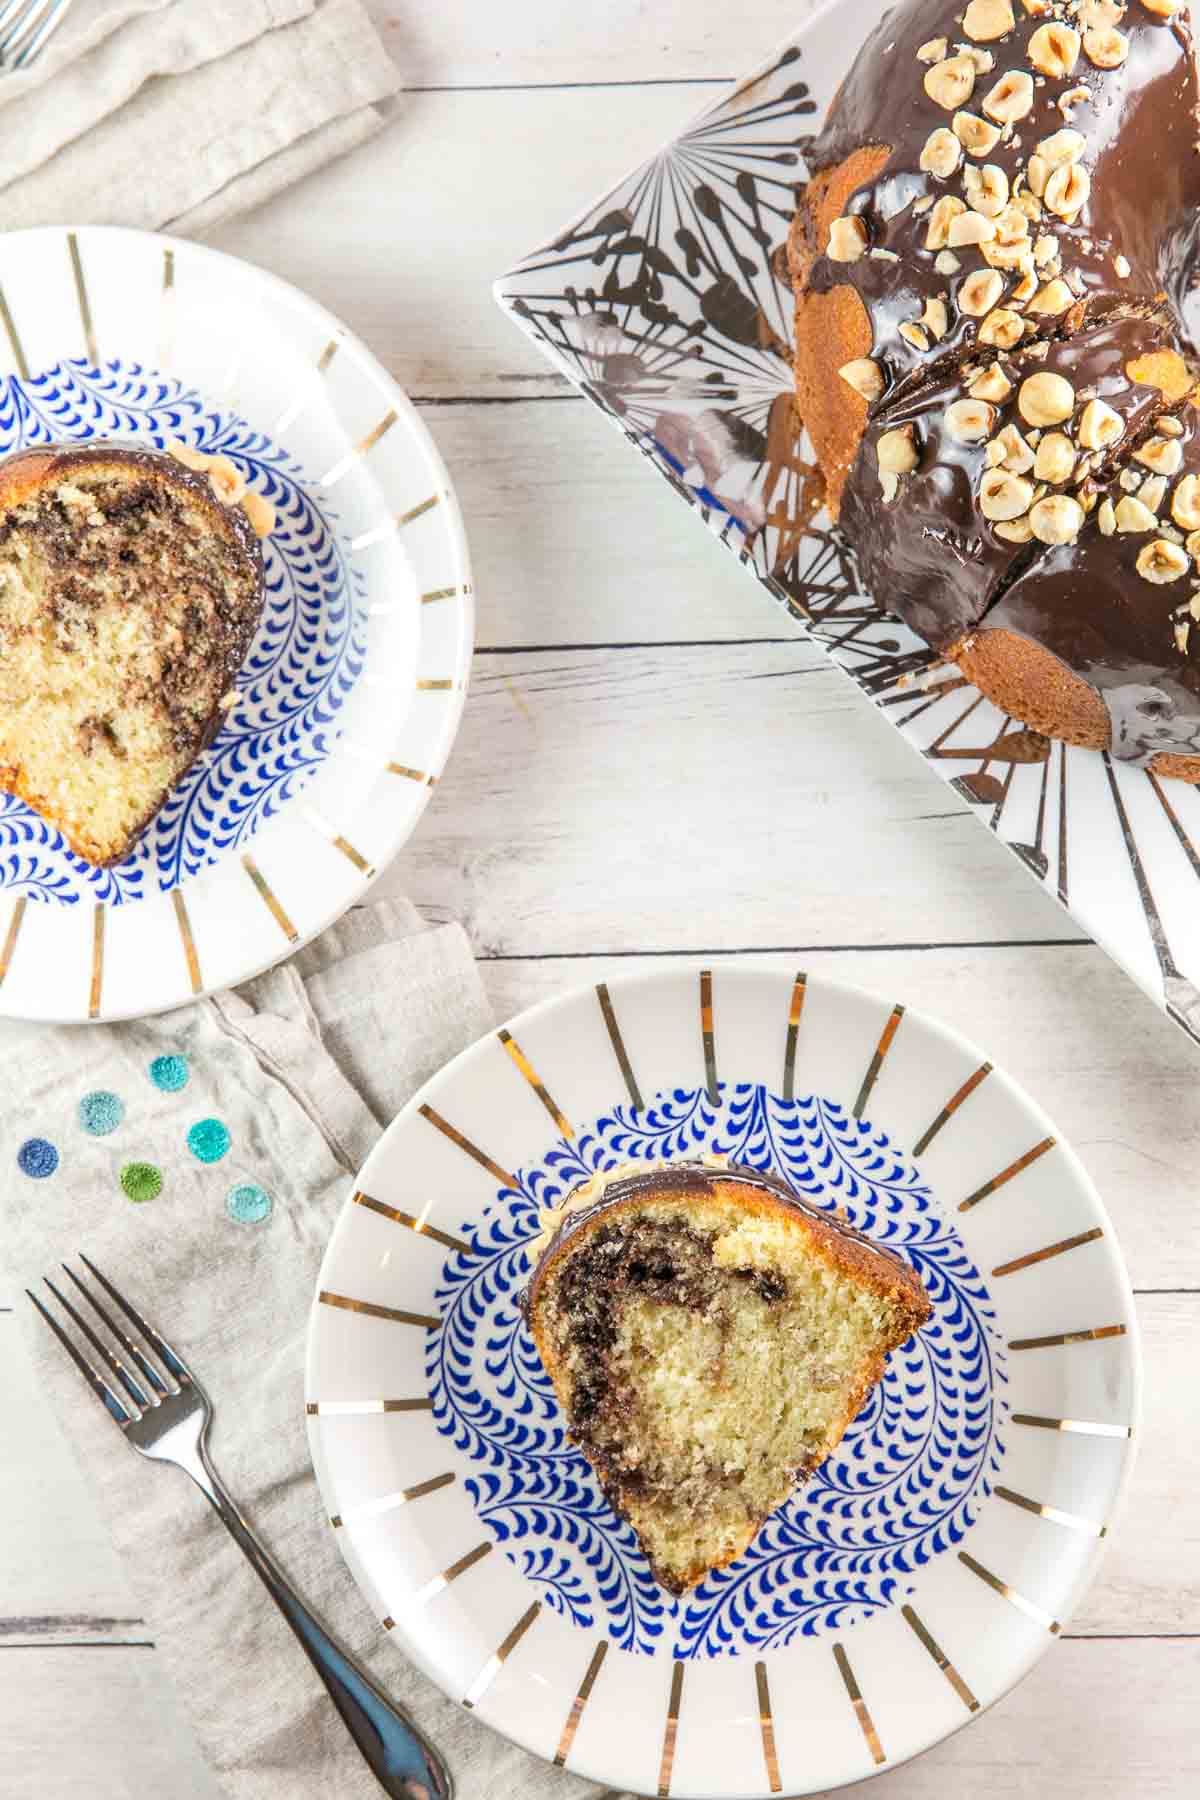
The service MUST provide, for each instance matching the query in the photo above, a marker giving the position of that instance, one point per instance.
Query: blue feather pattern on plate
(904, 1485)
(304, 662)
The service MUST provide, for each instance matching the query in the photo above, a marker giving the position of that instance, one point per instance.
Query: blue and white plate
(928, 1564)
(351, 694)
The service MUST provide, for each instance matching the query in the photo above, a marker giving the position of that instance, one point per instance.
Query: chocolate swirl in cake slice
(710, 1336)
(130, 591)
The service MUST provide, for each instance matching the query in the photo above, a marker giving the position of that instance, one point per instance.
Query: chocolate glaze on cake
(1069, 129)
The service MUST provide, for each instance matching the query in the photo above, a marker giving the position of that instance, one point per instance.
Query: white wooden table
(631, 687)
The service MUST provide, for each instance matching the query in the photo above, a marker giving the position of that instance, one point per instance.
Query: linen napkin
(181, 113)
(201, 1159)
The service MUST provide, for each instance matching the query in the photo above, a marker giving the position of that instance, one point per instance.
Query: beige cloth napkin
(180, 113)
(303, 1066)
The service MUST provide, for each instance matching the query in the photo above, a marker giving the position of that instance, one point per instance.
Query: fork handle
(404, 1764)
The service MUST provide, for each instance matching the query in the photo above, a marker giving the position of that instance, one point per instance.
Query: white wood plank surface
(633, 687)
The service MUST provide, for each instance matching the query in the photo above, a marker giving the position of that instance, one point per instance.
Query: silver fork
(167, 1420)
(26, 27)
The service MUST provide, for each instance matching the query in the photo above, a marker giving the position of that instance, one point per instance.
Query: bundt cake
(709, 1336)
(130, 589)
(990, 263)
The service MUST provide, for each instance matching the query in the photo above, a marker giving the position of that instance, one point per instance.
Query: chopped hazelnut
(951, 83)
(1012, 451)
(1010, 99)
(1106, 518)
(1045, 250)
(1012, 226)
(195, 460)
(1099, 425)
(1153, 492)
(1193, 543)
(1163, 9)
(1055, 460)
(935, 318)
(937, 234)
(1183, 632)
(970, 421)
(1106, 49)
(847, 240)
(941, 154)
(1037, 9)
(1067, 190)
(1003, 328)
(1100, 14)
(912, 334)
(986, 188)
(226, 481)
(980, 291)
(933, 50)
(1163, 455)
(1185, 504)
(896, 451)
(1058, 519)
(1026, 287)
(1055, 299)
(889, 481)
(985, 20)
(1132, 516)
(1161, 561)
(1070, 98)
(977, 136)
(1062, 147)
(1006, 256)
(260, 513)
(970, 228)
(1169, 426)
(1037, 174)
(1054, 50)
(1046, 399)
(1014, 531)
(946, 263)
(993, 384)
(1003, 495)
(865, 376)
(984, 61)
(1121, 265)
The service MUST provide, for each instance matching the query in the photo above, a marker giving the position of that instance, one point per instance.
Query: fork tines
(142, 1391)
(26, 27)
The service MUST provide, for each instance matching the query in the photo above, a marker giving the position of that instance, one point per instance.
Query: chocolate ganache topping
(1023, 246)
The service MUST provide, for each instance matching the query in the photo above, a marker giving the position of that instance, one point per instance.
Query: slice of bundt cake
(130, 590)
(710, 1336)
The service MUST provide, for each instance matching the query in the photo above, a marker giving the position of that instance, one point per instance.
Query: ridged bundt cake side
(1006, 202)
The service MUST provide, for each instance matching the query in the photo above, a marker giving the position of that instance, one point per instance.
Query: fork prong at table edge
(92, 1376)
(33, 46)
(124, 1376)
(170, 1359)
(122, 1336)
(26, 21)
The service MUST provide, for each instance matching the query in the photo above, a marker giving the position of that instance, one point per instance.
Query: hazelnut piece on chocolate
(1037, 174)
(935, 318)
(1163, 455)
(1067, 190)
(1162, 561)
(1163, 9)
(1100, 14)
(946, 263)
(1062, 147)
(1009, 450)
(933, 50)
(985, 20)
(1046, 399)
(986, 188)
(937, 234)
(1106, 48)
(1099, 425)
(1054, 50)
(1014, 531)
(912, 334)
(951, 83)
(1055, 460)
(1004, 496)
(1185, 504)
(969, 421)
(977, 136)
(865, 376)
(847, 240)
(941, 154)
(1133, 516)
(1106, 518)
(1058, 519)
(970, 228)
(1003, 328)
(980, 292)
(1010, 99)
(1054, 299)
(993, 384)
(896, 451)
